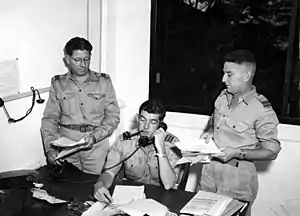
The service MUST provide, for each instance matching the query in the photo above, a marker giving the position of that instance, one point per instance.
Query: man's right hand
(207, 136)
(51, 155)
(102, 194)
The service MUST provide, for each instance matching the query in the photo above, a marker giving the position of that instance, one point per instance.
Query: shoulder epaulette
(105, 75)
(263, 101)
(171, 138)
(223, 92)
(56, 77)
(128, 135)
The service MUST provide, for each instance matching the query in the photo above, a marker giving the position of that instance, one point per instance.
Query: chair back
(183, 176)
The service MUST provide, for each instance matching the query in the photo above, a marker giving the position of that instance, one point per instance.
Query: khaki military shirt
(142, 166)
(92, 102)
(251, 122)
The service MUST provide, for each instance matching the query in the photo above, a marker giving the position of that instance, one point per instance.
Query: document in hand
(194, 144)
(65, 142)
(195, 150)
(206, 204)
(69, 146)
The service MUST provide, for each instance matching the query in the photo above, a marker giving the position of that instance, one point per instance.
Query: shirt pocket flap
(238, 126)
(66, 95)
(96, 96)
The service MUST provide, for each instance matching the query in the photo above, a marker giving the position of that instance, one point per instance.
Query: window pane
(189, 46)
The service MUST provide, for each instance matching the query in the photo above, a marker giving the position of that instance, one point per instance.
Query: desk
(173, 199)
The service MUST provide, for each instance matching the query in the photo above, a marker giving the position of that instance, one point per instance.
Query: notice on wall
(9, 77)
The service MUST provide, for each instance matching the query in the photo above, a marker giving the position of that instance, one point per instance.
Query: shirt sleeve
(111, 115)
(114, 157)
(266, 131)
(173, 157)
(50, 120)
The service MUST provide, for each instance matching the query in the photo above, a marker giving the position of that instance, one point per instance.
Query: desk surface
(82, 189)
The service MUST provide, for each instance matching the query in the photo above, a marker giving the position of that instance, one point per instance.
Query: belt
(233, 162)
(82, 128)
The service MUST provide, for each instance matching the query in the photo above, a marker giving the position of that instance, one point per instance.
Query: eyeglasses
(80, 60)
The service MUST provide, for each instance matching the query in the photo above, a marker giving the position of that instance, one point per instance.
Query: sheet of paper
(124, 194)
(9, 77)
(194, 144)
(97, 210)
(144, 207)
(43, 195)
(65, 142)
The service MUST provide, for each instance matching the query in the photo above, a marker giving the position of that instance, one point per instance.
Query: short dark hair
(77, 43)
(154, 106)
(240, 56)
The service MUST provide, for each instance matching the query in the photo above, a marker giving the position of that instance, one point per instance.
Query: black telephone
(144, 140)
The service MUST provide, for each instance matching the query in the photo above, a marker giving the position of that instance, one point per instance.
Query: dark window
(189, 39)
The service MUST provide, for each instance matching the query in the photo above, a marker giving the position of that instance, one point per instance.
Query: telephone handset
(144, 140)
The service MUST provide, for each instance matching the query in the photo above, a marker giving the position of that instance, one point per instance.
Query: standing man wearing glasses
(81, 104)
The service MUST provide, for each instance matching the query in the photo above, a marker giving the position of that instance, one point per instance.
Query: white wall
(125, 57)
(125, 52)
(35, 32)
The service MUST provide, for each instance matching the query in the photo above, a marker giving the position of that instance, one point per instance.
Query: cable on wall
(39, 101)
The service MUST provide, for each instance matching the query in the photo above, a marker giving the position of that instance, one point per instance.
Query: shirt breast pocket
(238, 126)
(134, 169)
(68, 102)
(96, 102)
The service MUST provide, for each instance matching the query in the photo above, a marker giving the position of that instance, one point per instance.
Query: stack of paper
(195, 150)
(206, 204)
(124, 194)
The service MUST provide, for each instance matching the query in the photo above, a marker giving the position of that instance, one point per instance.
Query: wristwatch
(242, 154)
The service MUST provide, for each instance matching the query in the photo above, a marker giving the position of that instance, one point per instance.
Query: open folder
(206, 204)
(212, 204)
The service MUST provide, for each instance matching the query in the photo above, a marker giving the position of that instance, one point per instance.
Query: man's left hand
(228, 153)
(90, 140)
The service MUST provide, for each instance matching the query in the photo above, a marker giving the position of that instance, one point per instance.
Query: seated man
(150, 163)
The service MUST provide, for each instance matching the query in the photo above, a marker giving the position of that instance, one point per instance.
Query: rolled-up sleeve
(267, 132)
(50, 120)
(111, 118)
(173, 157)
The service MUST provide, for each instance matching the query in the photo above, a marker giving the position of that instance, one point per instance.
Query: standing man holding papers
(244, 127)
(81, 105)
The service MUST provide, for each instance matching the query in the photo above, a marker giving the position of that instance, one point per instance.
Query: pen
(105, 206)
(243, 208)
(106, 203)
